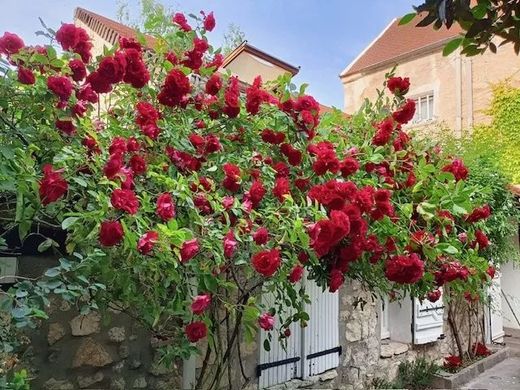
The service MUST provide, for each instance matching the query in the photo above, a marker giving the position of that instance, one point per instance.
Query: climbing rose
(327, 233)
(74, 39)
(181, 21)
(136, 73)
(405, 113)
(481, 349)
(336, 280)
(52, 186)
(78, 69)
(349, 166)
(189, 249)
(261, 236)
(296, 274)
(398, 85)
(404, 269)
(66, 126)
(266, 262)
(138, 164)
(26, 76)
(209, 21)
(60, 86)
(491, 271)
(433, 296)
(214, 84)
(479, 214)
(195, 331)
(281, 188)
(457, 168)
(111, 233)
(176, 86)
(294, 156)
(452, 361)
(266, 321)
(231, 98)
(200, 303)
(230, 244)
(125, 200)
(147, 241)
(10, 44)
(481, 239)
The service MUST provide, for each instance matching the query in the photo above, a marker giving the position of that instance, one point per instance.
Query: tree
(233, 38)
(482, 21)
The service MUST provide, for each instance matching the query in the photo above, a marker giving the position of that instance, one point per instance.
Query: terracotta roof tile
(397, 41)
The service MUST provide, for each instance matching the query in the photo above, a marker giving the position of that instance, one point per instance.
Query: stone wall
(73, 351)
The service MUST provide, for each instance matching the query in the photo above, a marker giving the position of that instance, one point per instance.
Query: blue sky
(320, 36)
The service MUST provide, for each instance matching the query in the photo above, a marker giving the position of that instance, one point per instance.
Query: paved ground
(504, 376)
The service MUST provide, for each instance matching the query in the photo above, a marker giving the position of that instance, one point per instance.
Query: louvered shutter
(428, 320)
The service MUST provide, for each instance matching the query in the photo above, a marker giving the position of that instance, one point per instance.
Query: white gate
(494, 318)
(427, 320)
(279, 365)
(321, 336)
(311, 350)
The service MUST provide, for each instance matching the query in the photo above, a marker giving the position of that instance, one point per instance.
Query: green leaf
(52, 272)
(267, 345)
(407, 18)
(68, 222)
(452, 45)
(45, 245)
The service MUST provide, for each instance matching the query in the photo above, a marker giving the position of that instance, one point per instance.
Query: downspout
(458, 95)
(189, 379)
(470, 93)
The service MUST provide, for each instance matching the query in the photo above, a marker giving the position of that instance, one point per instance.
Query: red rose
(26, 76)
(266, 262)
(273, 137)
(230, 244)
(125, 200)
(217, 61)
(132, 144)
(491, 271)
(256, 193)
(457, 168)
(147, 241)
(479, 214)
(266, 321)
(75, 39)
(202, 203)
(384, 132)
(66, 126)
(200, 303)
(303, 257)
(78, 69)
(398, 85)
(452, 362)
(60, 86)
(98, 83)
(281, 188)
(349, 166)
(296, 274)
(189, 249)
(434, 296)
(181, 21)
(326, 160)
(184, 162)
(405, 113)
(336, 280)
(404, 269)
(209, 21)
(129, 43)
(113, 166)
(86, 93)
(52, 186)
(451, 271)
(481, 349)
(481, 240)
(261, 236)
(10, 44)
(327, 233)
(136, 73)
(231, 98)
(165, 208)
(213, 84)
(294, 156)
(91, 145)
(195, 331)
(175, 87)
(255, 96)
(111, 233)
(138, 164)
(112, 69)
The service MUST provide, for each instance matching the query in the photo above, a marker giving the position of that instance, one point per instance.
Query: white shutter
(321, 336)
(494, 319)
(428, 320)
(279, 365)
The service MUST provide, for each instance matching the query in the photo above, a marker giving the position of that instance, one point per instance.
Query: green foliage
(233, 37)
(415, 375)
(20, 381)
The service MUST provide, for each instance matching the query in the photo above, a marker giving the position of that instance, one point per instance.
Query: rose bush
(185, 193)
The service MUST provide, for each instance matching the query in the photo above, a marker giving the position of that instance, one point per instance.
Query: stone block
(56, 332)
(54, 384)
(91, 353)
(84, 325)
(117, 334)
(87, 381)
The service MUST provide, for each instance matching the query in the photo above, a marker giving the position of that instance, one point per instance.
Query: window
(423, 108)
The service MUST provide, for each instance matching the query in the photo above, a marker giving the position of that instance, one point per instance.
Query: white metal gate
(494, 318)
(311, 350)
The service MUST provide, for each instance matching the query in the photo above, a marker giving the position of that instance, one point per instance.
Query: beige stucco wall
(247, 66)
(462, 86)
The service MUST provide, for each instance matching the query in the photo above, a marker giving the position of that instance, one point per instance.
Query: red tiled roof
(108, 29)
(397, 41)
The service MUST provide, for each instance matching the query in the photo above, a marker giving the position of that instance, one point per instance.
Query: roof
(396, 42)
(247, 48)
(108, 29)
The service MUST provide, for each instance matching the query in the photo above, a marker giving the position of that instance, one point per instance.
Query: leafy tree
(232, 38)
(482, 21)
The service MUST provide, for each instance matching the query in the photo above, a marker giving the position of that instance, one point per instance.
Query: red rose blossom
(26, 76)
(261, 236)
(281, 188)
(195, 331)
(181, 21)
(66, 126)
(296, 274)
(404, 269)
(327, 233)
(200, 303)
(52, 186)
(230, 244)
(125, 200)
(209, 21)
(266, 262)
(266, 321)
(189, 249)
(110, 233)
(10, 44)
(60, 86)
(405, 113)
(147, 241)
(165, 207)
(398, 85)
(457, 168)
(336, 280)
(434, 296)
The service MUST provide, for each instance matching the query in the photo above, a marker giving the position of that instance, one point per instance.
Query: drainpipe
(188, 373)
(470, 93)
(458, 95)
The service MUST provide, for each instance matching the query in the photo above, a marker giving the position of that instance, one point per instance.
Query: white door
(494, 318)
(279, 365)
(321, 336)
(427, 320)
